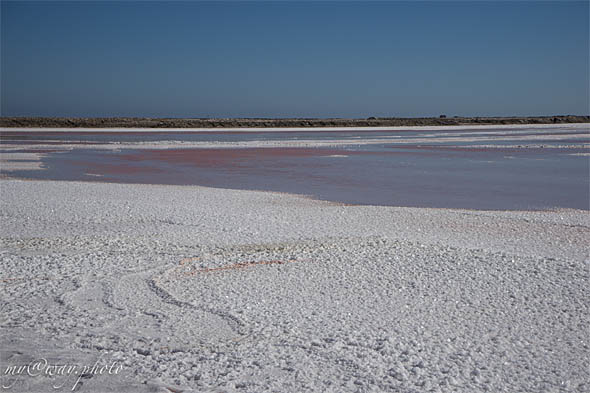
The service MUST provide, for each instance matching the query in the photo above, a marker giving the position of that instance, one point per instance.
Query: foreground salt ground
(199, 289)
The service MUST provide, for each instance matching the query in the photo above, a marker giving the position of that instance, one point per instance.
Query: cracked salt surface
(211, 290)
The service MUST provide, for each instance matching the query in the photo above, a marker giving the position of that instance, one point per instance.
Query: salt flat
(202, 289)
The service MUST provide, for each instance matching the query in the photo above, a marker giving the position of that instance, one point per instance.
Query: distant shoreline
(219, 130)
(257, 123)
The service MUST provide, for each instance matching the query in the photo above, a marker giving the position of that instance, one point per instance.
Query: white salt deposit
(210, 290)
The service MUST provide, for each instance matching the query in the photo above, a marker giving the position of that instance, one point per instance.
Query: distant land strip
(140, 122)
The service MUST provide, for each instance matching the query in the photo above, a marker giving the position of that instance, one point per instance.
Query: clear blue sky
(286, 59)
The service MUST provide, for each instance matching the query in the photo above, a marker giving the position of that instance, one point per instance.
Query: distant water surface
(475, 169)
